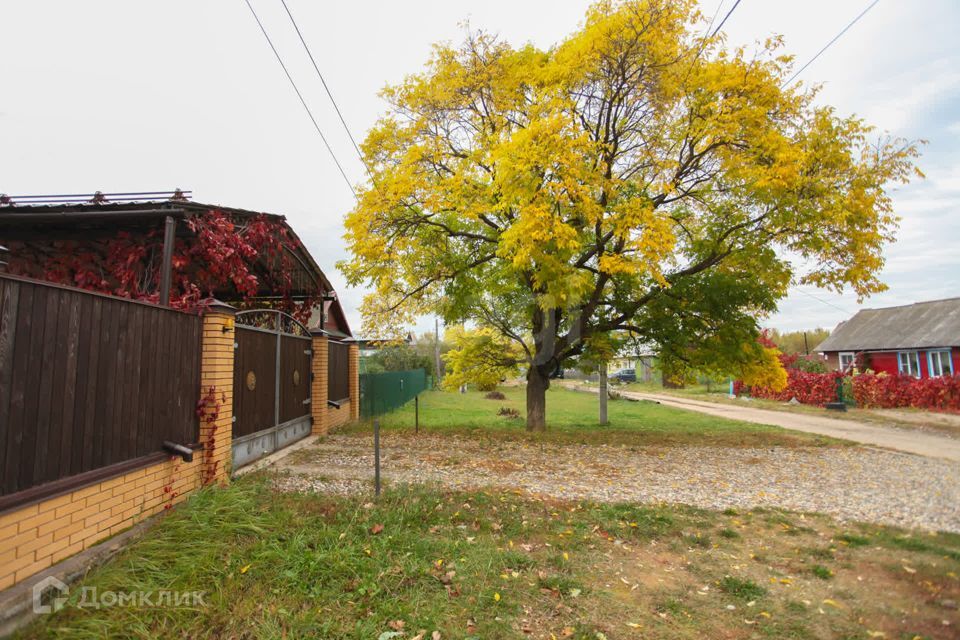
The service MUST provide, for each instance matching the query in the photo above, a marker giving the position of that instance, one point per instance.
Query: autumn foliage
(868, 390)
(222, 255)
(887, 392)
(638, 176)
(806, 386)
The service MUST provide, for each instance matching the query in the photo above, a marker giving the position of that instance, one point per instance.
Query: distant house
(643, 364)
(920, 340)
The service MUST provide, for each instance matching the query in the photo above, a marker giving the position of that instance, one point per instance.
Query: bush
(495, 395)
(807, 387)
(889, 392)
(868, 390)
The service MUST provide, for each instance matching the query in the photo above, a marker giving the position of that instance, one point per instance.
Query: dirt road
(907, 440)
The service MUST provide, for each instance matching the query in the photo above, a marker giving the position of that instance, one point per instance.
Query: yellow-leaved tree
(638, 177)
(479, 356)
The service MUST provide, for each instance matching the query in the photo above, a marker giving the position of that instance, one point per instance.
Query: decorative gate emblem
(251, 380)
(296, 377)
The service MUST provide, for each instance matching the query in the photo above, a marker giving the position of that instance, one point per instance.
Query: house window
(941, 364)
(846, 360)
(908, 363)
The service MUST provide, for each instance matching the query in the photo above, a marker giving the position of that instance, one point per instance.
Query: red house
(920, 340)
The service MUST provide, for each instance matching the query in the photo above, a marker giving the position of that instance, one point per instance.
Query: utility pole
(436, 352)
(806, 346)
(602, 393)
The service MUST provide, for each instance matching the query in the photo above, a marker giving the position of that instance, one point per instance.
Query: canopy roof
(97, 222)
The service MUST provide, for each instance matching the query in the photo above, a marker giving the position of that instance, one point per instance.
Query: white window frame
(942, 371)
(853, 360)
(908, 370)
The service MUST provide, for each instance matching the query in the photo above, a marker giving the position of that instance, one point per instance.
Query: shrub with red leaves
(890, 392)
(807, 387)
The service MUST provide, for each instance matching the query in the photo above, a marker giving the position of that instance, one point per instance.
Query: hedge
(870, 390)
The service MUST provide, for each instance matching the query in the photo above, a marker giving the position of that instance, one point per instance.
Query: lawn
(425, 564)
(572, 417)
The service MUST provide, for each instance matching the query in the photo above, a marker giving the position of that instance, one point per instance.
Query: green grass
(572, 417)
(492, 565)
(822, 572)
(740, 588)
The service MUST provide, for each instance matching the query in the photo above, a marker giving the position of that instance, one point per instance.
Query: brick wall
(318, 388)
(354, 382)
(37, 536)
(40, 535)
(325, 417)
(341, 416)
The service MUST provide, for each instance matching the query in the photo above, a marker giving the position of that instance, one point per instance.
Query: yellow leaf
(245, 569)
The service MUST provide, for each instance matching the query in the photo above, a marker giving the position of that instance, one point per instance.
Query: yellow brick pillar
(318, 387)
(354, 372)
(216, 392)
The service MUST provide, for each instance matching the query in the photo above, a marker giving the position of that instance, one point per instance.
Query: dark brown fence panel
(338, 371)
(254, 381)
(294, 377)
(88, 381)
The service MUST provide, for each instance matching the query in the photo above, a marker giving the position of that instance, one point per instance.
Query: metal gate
(271, 384)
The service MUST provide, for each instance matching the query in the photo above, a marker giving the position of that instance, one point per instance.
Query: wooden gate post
(318, 386)
(216, 391)
(354, 370)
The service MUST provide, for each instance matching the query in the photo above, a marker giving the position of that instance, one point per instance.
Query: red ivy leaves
(222, 253)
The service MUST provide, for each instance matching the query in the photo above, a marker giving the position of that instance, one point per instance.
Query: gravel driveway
(851, 483)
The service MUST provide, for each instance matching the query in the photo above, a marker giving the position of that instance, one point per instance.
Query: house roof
(914, 326)
(333, 319)
(91, 221)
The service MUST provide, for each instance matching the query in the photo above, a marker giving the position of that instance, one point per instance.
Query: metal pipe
(169, 234)
(12, 214)
(376, 456)
(179, 450)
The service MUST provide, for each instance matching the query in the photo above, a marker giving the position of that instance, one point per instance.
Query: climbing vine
(222, 253)
(208, 412)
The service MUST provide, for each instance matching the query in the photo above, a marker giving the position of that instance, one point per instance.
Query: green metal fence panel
(381, 393)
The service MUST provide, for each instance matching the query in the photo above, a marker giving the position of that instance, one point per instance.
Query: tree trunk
(538, 382)
(603, 393)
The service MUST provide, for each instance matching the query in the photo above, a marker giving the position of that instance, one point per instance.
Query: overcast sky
(144, 96)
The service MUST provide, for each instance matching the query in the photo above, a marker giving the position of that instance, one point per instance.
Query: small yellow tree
(481, 357)
(764, 370)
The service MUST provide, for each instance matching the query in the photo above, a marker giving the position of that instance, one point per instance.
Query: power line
(302, 100)
(326, 88)
(822, 301)
(724, 21)
(827, 46)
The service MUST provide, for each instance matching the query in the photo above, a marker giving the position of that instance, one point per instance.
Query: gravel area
(850, 483)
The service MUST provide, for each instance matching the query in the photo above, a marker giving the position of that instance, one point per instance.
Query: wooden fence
(88, 381)
(338, 371)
